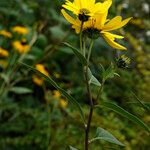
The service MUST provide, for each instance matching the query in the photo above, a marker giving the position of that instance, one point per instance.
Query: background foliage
(34, 115)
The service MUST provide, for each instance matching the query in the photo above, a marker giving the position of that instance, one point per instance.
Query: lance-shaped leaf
(142, 104)
(52, 82)
(72, 148)
(145, 105)
(126, 114)
(77, 53)
(92, 79)
(102, 134)
(20, 90)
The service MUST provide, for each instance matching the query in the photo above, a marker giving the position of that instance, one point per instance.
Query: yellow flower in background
(20, 30)
(42, 69)
(56, 75)
(37, 80)
(100, 25)
(5, 33)
(84, 9)
(63, 103)
(21, 46)
(56, 94)
(3, 63)
(3, 52)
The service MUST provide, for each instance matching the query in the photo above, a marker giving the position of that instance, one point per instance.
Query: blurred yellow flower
(3, 52)
(3, 63)
(37, 80)
(56, 94)
(20, 30)
(84, 9)
(63, 103)
(42, 69)
(21, 46)
(5, 33)
(99, 25)
(56, 75)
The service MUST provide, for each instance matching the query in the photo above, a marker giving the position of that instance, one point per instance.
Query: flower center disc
(83, 14)
(92, 33)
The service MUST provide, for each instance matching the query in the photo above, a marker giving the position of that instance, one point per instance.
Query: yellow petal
(68, 17)
(113, 35)
(77, 29)
(110, 40)
(75, 22)
(83, 3)
(100, 20)
(77, 3)
(115, 23)
(90, 4)
(70, 8)
(124, 22)
(102, 7)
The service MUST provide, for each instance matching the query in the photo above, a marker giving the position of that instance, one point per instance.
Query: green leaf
(126, 114)
(141, 103)
(146, 104)
(109, 72)
(102, 68)
(72, 148)
(92, 79)
(52, 82)
(102, 134)
(20, 90)
(77, 53)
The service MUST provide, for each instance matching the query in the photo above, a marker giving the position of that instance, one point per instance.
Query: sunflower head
(84, 14)
(23, 41)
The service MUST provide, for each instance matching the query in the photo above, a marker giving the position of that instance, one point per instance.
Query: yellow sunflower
(20, 30)
(84, 9)
(100, 25)
(39, 80)
(21, 46)
(5, 33)
(42, 69)
(3, 52)
(63, 103)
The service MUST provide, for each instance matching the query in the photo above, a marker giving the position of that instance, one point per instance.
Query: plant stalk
(87, 129)
(85, 70)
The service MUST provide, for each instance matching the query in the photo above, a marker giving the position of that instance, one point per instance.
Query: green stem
(82, 48)
(81, 39)
(90, 50)
(87, 129)
(100, 90)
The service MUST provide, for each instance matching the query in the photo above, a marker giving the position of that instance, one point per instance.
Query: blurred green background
(33, 115)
